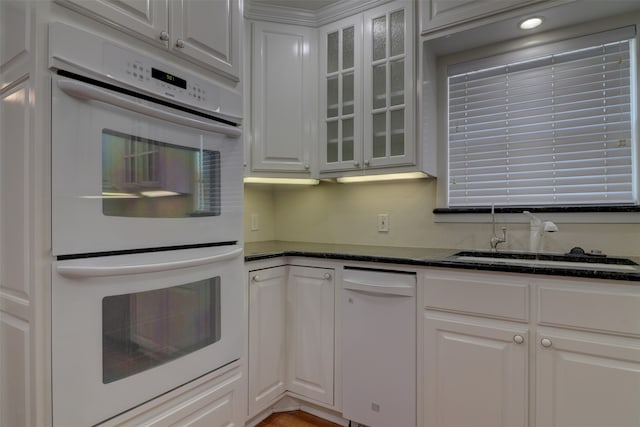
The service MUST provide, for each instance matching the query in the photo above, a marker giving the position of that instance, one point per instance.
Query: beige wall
(347, 213)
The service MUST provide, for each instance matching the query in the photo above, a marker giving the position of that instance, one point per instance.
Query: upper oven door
(131, 174)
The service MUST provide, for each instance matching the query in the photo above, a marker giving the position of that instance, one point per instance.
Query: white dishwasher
(379, 347)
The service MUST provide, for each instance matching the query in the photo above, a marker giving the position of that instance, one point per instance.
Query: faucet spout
(495, 239)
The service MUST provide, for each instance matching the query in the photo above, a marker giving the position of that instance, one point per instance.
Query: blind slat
(548, 130)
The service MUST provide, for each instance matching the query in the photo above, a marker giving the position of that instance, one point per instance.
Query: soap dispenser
(536, 231)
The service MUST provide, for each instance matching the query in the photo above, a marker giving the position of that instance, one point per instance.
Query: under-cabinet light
(383, 177)
(159, 193)
(294, 181)
(530, 23)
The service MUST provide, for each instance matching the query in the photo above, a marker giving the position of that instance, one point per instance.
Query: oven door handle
(88, 271)
(85, 91)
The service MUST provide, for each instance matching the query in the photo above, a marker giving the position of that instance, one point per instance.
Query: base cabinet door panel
(475, 372)
(310, 336)
(587, 380)
(267, 349)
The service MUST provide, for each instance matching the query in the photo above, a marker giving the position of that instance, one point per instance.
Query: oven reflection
(147, 329)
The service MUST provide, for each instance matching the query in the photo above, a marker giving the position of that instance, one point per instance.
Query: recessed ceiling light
(530, 23)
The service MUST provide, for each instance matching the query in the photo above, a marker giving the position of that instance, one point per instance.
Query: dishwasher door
(379, 347)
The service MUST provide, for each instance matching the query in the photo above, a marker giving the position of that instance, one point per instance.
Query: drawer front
(611, 307)
(494, 295)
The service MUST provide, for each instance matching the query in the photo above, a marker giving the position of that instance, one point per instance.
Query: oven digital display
(168, 78)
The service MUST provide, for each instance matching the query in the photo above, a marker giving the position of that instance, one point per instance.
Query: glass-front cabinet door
(367, 94)
(388, 85)
(341, 125)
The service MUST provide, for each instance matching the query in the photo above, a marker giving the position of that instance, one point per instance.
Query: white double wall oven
(147, 201)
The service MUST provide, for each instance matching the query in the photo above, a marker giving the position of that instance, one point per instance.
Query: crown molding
(296, 16)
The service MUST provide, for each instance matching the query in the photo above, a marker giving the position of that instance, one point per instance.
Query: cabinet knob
(164, 36)
(180, 43)
(518, 339)
(546, 342)
(356, 164)
(327, 276)
(256, 278)
(306, 166)
(367, 162)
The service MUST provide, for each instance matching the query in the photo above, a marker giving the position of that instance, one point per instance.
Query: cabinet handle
(518, 339)
(546, 342)
(327, 276)
(256, 278)
(179, 43)
(164, 36)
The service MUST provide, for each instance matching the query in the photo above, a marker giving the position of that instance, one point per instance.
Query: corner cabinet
(283, 100)
(206, 33)
(291, 335)
(367, 90)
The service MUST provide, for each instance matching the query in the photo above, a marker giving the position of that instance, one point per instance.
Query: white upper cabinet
(367, 91)
(204, 32)
(388, 86)
(207, 32)
(283, 99)
(440, 14)
(341, 89)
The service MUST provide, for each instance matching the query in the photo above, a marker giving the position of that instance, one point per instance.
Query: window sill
(557, 214)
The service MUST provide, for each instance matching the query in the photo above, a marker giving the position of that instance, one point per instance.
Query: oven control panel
(116, 64)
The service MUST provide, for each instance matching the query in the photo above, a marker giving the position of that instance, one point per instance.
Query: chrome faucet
(537, 228)
(495, 239)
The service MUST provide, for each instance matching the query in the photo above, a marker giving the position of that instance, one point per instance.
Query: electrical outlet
(254, 222)
(383, 222)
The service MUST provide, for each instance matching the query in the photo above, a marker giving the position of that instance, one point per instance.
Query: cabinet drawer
(611, 307)
(495, 295)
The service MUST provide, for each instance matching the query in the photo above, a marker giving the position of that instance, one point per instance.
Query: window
(551, 125)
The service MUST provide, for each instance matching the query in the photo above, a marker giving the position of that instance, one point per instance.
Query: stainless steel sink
(543, 260)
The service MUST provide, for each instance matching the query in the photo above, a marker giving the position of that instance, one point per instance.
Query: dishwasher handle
(398, 290)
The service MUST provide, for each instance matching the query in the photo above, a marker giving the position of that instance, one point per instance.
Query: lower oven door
(128, 328)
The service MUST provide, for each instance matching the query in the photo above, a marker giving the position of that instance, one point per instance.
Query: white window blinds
(550, 125)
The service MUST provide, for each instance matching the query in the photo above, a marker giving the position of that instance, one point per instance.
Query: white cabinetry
(439, 14)
(203, 32)
(310, 332)
(367, 96)
(475, 368)
(283, 99)
(580, 345)
(267, 350)
(587, 354)
(215, 400)
(291, 335)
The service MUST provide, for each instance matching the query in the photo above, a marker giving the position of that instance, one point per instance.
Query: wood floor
(295, 419)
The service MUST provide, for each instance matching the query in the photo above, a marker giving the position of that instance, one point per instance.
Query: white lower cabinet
(291, 335)
(484, 335)
(267, 323)
(587, 380)
(475, 371)
(310, 332)
(215, 400)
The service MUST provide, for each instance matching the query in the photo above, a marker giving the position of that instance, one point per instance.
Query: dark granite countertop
(427, 257)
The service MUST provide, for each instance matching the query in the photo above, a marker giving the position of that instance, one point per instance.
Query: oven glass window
(146, 329)
(152, 179)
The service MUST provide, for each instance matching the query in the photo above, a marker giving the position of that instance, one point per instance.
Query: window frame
(444, 213)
